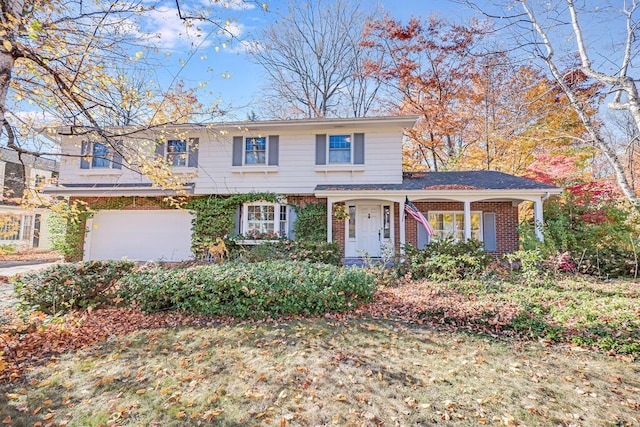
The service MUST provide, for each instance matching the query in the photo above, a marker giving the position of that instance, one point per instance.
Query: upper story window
(340, 150)
(451, 225)
(99, 155)
(179, 152)
(255, 152)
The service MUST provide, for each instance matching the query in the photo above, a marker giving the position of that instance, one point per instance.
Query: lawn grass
(554, 352)
(324, 372)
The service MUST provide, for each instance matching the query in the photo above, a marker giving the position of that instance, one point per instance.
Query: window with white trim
(255, 150)
(339, 148)
(10, 227)
(177, 152)
(101, 158)
(264, 220)
(450, 224)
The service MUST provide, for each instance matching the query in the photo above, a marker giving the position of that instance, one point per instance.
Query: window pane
(386, 226)
(100, 156)
(9, 227)
(283, 221)
(255, 151)
(260, 218)
(339, 149)
(177, 153)
(475, 226)
(352, 222)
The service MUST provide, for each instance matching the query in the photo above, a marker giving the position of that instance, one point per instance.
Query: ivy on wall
(311, 224)
(215, 216)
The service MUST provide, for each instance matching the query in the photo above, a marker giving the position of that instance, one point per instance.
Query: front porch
(370, 221)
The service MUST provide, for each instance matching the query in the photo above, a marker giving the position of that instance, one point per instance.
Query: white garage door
(160, 235)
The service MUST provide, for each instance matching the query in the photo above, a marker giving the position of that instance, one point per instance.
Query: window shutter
(84, 151)
(321, 149)
(274, 149)
(423, 237)
(237, 219)
(116, 160)
(292, 216)
(358, 149)
(160, 150)
(237, 151)
(194, 144)
(489, 232)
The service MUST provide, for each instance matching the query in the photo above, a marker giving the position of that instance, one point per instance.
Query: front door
(369, 230)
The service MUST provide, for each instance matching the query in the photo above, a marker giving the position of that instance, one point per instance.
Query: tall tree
(559, 31)
(65, 58)
(431, 67)
(312, 57)
(479, 108)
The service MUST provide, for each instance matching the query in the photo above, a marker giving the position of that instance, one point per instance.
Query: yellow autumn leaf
(7, 45)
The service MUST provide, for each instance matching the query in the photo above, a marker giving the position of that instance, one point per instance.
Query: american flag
(411, 209)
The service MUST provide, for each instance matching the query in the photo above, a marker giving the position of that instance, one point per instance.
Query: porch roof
(448, 181)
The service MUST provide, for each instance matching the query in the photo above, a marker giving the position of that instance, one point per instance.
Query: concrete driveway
(11, 268)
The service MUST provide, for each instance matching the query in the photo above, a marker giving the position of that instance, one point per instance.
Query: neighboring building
(21, 226)
(352, 163)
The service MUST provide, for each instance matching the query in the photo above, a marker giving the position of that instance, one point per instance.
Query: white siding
(296, 172)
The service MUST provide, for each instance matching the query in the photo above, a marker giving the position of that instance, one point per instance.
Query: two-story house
(23, 222)
(352, 163)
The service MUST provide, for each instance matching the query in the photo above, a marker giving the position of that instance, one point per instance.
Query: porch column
(538, 218)
(467, 220)
(329, 220)
(402, 227)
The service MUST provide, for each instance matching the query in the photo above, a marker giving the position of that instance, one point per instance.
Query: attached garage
(141, 235)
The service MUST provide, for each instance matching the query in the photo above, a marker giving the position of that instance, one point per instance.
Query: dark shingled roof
(464, 180)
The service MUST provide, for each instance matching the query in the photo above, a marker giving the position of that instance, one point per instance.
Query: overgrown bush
(293, 250)
(603, 242)
(258, 290)
(63, 287)
(446, 260)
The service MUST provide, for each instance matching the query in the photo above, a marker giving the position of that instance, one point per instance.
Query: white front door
(368, 230)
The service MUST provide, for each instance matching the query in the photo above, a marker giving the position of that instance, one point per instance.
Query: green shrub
(257, 290)
(445, 260)
(590, 237)
(294, 250)
(67, 286)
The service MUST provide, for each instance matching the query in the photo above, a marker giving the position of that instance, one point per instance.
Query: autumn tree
(312, 56)
(558, 32)
(479, 107)
(430, 66)
(516, 112)
(67, 59)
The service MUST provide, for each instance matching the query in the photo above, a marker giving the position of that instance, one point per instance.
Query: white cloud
(235, 4)
(232, 29)
(165, 23)
(245, 46)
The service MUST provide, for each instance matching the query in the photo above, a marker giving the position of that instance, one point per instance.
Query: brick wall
(506, 221)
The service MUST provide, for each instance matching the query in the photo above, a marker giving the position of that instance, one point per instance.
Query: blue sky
(222, 68)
